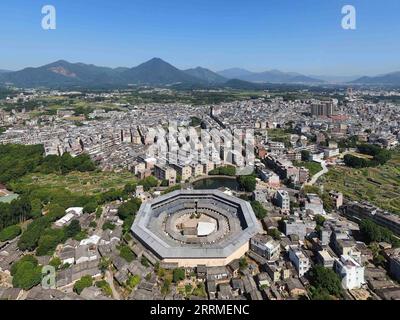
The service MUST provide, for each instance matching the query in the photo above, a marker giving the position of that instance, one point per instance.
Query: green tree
(90, 207)
(178, 274)
(30, 238)
(243, 263)
(325, 280)
(133, 281)
(148, 183)
(49, 240)
(55, 262)
(166, 287)
(26, 272)
(108, 225)
(258, 209)
(129, 208)
(104, 264)
(248, 183)
(126, 253)
(84, 282)
(10, 233)
(305, 155)
(274, 233)
(319, 220)
(105, 287)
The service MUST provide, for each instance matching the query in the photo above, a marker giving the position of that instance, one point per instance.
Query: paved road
(110, 281)
(319, 174)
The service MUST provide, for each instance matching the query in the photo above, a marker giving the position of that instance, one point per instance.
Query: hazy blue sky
(290, 35)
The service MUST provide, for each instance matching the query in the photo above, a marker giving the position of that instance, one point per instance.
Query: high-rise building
(322, 108)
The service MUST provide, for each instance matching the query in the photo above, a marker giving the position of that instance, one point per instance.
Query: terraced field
(380, 185)
(78, 182)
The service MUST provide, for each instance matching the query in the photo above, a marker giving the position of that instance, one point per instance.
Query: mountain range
(271, 76)
(160, 73)
(386, 79)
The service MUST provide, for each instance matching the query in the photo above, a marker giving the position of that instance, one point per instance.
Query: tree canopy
(325, 283)
(259, 210)
(26, 273)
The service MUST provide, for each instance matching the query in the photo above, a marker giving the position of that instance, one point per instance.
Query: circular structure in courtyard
(196, 227)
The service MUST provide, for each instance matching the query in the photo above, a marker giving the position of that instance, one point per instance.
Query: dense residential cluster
(308, 241)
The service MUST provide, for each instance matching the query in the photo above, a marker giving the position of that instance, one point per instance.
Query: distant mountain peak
(392, 78)
(206, 75)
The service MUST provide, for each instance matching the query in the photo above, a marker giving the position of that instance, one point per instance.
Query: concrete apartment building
(185, 171)
(165, 173)
(350, 271)
(265, 246)
(300, 261)
(283, 200)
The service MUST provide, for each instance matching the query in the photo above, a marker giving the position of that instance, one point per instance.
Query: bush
(129, 208)
(105, 287)
(274, 233)
(10, 233)
(84, 282)
(319, 220)
(55, 262)
(171, 189)
(144, 261)
(178, 275)
(224, 171)
(166, 287)
(243, 263)
(259, 210)
(133, 281)
(108, 225)
(90, 207)
(72, 229)
(148, 183)
(126, 253)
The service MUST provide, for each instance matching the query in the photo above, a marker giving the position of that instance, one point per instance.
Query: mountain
(335, 79)
(243, 85)
(386, 79)
(271, 76)
(206, 75)
(63, 73)
(276, 76)
(157, 72)
(234, 73)
(4, 71)
(153, 72)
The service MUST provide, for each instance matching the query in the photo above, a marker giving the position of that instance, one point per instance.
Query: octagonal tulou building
(196, 227)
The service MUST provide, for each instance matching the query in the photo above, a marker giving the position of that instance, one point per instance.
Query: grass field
(87, 183)
(313, 167)
(279, 135)
(379, 185)
(360, 155)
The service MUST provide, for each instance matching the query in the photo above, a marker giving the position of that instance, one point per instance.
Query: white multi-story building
(283, 200)
(350, 271)
(299, 260)
(265, 246)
